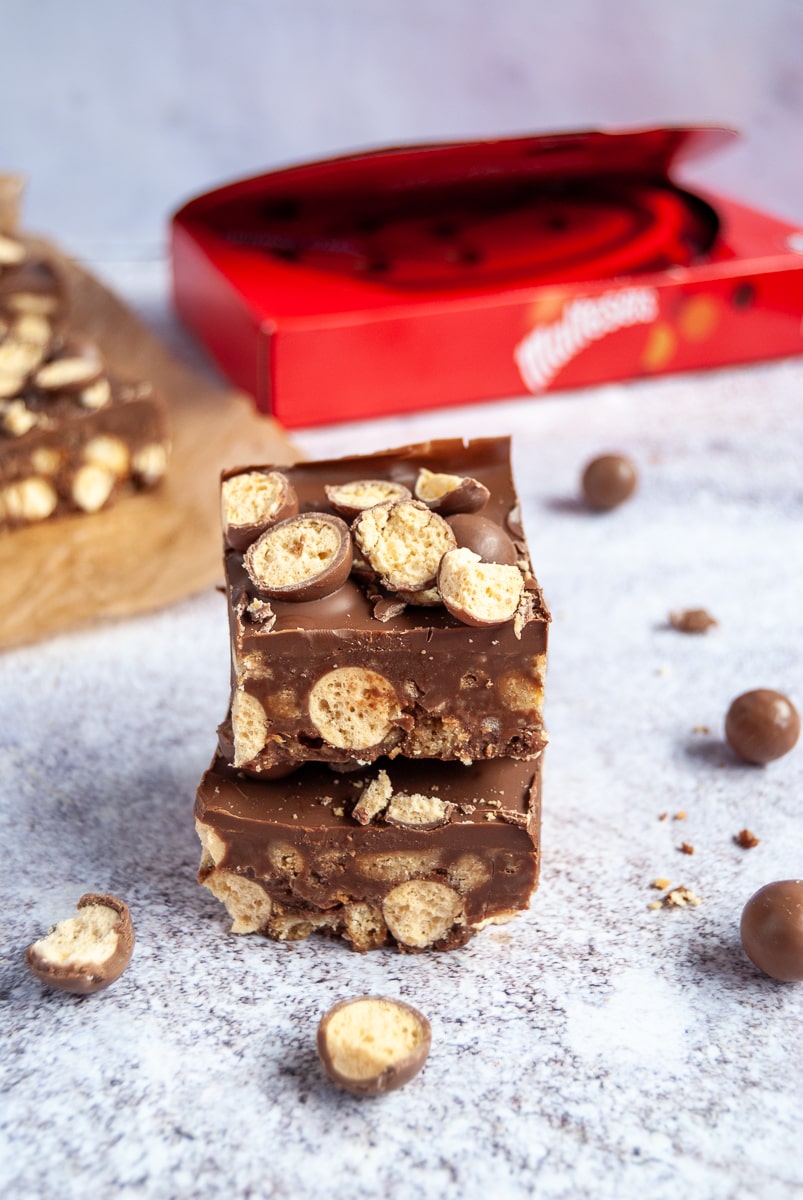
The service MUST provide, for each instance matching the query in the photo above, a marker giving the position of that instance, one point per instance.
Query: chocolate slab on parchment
(62, 574)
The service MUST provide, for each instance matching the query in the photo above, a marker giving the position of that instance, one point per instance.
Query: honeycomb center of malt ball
(419, 913)
(249, 498)
(249, 725)
(432, 486)
(368, 1036)
(89, 937)
(366, 493)
(416, 809)
(353, 708)
(489, 590)
(296, 552)
(407, 545)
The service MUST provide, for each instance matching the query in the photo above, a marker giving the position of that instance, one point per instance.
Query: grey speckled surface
(593, 1047)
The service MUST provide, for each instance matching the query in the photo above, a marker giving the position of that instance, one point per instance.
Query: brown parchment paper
(150, 549)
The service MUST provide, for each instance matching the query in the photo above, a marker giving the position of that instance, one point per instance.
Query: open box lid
(374, 230)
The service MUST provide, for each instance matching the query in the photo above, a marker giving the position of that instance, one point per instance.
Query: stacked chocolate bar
(71, 437)
(378, 774)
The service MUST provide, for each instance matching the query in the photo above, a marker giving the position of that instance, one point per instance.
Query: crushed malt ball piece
(19, 357)
(449, 494)
(404, 543)
(364, 926)
(149, 463)
(16, 419)
(374, 799)
(681, 897)
(301, 558)
(660, 884)
(419, 913)
(686, 848)
(248, 904)
(662, 816)
(28, 500)
(418, 811)
(96, 395)
(85, 953)
(251, 501)
(372, 1045)
(484, 537)
(249, 726)
(353, 708)
(679, 816)
(654, 904)
(350, 499)
(73, 368)
(692, 620)
(746, 839)
(608, 481)
(479, 593)
(92, 487)
(108, 452)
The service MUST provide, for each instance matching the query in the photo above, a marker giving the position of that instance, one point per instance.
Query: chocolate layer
(426, 683)
(420, 853)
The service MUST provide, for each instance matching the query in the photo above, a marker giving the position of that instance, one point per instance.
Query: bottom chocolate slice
(420, 853)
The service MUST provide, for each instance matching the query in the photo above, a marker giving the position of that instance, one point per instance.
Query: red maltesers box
(422, 276)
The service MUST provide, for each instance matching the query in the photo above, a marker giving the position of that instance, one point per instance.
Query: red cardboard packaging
(414, 277)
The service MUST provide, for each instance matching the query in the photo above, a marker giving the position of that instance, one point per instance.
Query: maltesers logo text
(545, 351)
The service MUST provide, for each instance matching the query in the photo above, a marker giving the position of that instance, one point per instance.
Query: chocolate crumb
(662, 816)
(692, 620)
(686, 848)
(746, 839)
(682, 896)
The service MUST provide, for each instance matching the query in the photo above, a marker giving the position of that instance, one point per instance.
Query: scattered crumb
(680, 897)
(701, 729)
(692, 620)
(661, 884)
(338, 812)
(653, 904)
(663, 670)
(662, 816)
(490, 816)
(746, 839)
(680, 815)
(686, 848)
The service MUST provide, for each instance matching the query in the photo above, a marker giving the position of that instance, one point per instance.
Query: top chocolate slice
(425, 636)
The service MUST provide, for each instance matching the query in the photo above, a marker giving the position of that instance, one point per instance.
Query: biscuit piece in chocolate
(380, 665)
(420, 854)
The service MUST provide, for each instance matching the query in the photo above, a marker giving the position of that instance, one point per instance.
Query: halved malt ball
(85, 953)
(404, 543)
(301, 558)
(372, 1045)
(448, 494)
(350, 499)
(353, 708)
(77, 365)
(420, 913)
(251, 502)
(476, 592)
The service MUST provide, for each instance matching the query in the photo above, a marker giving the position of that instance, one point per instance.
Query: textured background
(593, 1047)
(119, 111)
